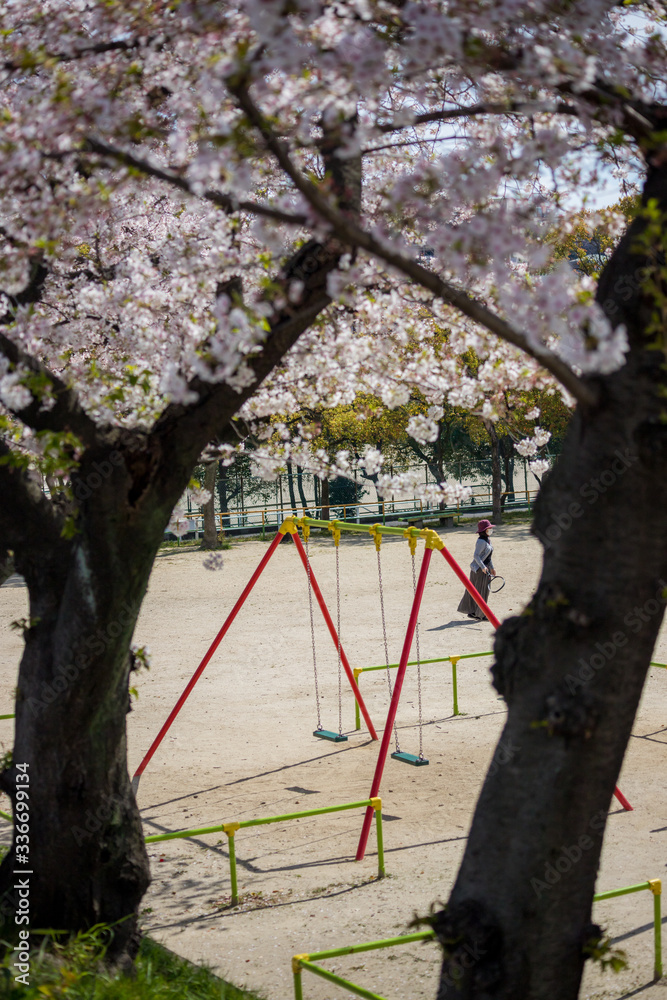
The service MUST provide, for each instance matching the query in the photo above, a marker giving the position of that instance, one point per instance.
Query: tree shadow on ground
(455, 624)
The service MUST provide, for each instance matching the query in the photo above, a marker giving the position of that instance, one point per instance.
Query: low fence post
(230, 829)
(454, 660)
(655, 886)
(656, 889)
(358, 671)
(377, 805)
(296, 972)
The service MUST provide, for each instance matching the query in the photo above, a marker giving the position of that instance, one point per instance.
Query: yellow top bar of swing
(431, 537)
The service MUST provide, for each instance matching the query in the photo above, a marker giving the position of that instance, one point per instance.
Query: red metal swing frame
(433, 541)
(288, 527)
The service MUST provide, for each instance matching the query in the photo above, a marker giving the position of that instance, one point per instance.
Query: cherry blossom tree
(186, 247)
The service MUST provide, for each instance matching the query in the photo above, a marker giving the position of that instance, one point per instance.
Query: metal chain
(419, 668)
(340, 688)
(312, 636)
(386, 647)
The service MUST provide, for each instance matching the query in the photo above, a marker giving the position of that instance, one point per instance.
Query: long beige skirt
(481, 581)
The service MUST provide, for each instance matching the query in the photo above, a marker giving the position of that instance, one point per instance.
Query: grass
(75, 971)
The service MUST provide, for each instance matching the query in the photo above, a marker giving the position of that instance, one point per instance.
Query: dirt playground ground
(242, 748)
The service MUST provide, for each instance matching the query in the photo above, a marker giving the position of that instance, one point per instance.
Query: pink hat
(484, 524)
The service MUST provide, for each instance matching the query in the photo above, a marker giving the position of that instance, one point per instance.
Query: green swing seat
(326, 734)
(410, 758)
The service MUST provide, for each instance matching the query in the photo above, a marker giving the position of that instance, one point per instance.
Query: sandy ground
(242, 748)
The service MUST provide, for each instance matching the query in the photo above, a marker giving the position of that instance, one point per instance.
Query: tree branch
(451, 114)
(418, 451)
(66, 414)
(33, 290)
(181, 427)
(28, 520)
(118, 45)
(640, 120)
(224, 201)
(352, 234)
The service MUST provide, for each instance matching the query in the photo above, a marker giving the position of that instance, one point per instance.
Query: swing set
(432, 542)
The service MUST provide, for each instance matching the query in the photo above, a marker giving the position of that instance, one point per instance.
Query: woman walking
(481, 571)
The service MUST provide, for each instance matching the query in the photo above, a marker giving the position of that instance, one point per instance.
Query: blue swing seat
(410, 758)
(325, 734)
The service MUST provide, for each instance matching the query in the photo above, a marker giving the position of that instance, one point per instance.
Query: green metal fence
(307, 961)
(300, 962)
(230, 829)
(358, 671)
(654, 886)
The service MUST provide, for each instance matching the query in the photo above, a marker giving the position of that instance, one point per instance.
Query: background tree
(210, 537)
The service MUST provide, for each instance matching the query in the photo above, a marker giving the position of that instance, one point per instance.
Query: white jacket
(483, 550)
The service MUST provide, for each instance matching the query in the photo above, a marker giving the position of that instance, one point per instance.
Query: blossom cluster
(161, 162)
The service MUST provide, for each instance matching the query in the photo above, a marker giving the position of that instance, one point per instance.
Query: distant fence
(268, 518)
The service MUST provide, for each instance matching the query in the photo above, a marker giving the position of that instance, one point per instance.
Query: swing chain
(312, 635)
(340, 689)
(384, 635)
(419, 669)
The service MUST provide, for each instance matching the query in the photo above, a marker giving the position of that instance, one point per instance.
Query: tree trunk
(223, 496)
(439, 458)
(302, 495)
(290, 485)
(325, 500)
(571, 669)
(210, 539)
(507, 451)
(86, 846)
(435, 463)
(496, 477)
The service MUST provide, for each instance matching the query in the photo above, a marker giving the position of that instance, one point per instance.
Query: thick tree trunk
(571, 669)
(496, 477)
(86, 850)
(210, 539)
